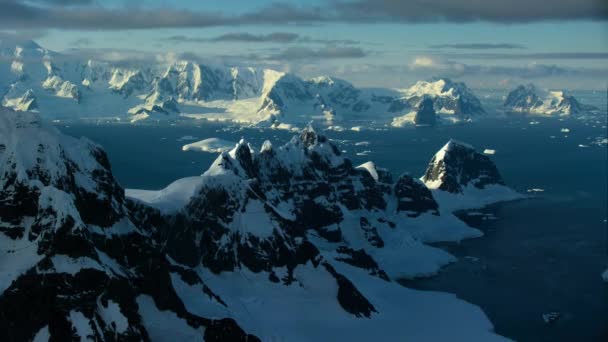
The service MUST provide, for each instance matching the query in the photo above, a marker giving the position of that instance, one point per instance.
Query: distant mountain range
(530, 99)
(64, 87)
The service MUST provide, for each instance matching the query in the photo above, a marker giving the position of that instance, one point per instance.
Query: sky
(374, 43)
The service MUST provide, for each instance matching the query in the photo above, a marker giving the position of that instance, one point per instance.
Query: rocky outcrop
(425, 113)
(458, 166)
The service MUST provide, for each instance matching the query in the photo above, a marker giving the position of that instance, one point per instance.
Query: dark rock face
(524, 96)
(425, 114)
(457, 166)
(414, 197)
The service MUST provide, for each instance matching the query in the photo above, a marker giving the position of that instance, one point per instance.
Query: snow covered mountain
(285, 243)
(530, 99)
(449, 97)
(64, 87)
(461, 176)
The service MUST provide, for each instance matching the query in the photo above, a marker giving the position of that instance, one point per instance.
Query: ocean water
(537, 256)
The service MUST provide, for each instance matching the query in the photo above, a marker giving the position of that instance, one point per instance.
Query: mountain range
(65, 87)
(288, 242)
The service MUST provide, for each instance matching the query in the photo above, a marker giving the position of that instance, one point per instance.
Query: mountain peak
(309, 136)
(457, 166)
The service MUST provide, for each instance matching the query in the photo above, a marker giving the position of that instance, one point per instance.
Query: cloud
(478, 46)
(275, 37)
(81, 42)
(22, 35)
(513, 11)
(449, 68)
(60, 14)
(539, 55)
(303, 53)
(63, 2)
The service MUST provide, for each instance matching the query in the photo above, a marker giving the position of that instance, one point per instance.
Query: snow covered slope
(530, 99)
(285, 243)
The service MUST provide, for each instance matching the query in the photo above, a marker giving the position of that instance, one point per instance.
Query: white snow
(211, 145)
(307, 309)
(66, 264)
(166, 326)
(473, 198)
(371, 168)
(405, 120)
(82, 326)
(43, 335)
(489, 151)
(170, 199)
(536, 190)
(112, 315)
(565, 130)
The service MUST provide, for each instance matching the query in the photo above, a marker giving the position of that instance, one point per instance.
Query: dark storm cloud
(18, 15)
(478, 46)
(57, 14)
